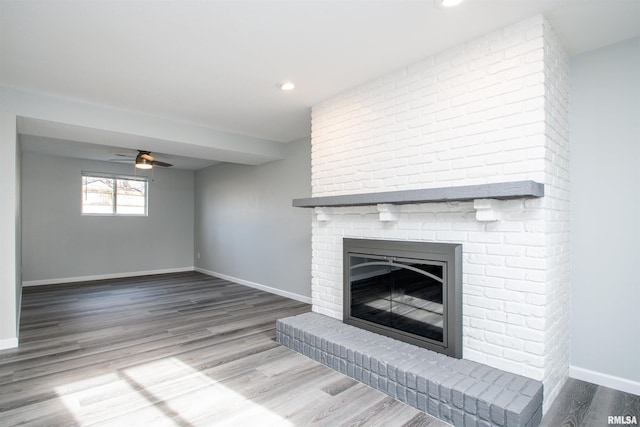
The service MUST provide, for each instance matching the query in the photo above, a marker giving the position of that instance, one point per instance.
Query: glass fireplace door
(404, 295)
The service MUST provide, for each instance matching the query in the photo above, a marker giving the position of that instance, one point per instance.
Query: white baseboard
(286, 294)
(104, 276)
(606, 380)
(8, 343)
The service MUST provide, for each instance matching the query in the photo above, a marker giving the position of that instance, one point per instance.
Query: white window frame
(114, 194)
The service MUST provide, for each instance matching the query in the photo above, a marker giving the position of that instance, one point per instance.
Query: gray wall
(18, 235)
(58, 242)
(246, 227)
(605, 176)
(10, 282)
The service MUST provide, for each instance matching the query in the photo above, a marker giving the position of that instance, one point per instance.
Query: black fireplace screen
(406, 295)
(406, 290)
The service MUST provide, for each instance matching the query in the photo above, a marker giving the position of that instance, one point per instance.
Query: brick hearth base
(461, 392)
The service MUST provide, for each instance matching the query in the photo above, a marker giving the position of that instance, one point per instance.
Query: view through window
(104, 194)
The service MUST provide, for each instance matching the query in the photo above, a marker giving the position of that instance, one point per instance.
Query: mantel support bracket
(387, 212)
(488, 210)
(323, 214)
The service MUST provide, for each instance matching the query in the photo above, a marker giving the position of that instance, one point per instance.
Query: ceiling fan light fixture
(143, 163)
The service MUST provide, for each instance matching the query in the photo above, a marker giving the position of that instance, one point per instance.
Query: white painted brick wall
(557, 338)
(491, 110)
(473, 114)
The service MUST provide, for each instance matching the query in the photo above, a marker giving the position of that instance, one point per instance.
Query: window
(104, 194)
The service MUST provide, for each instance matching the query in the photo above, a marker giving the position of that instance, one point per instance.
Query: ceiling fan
(143, 160)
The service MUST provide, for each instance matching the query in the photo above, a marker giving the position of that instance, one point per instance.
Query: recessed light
(287, 86)
(450, 3)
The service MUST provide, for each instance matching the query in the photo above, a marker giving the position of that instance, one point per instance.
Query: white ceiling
(215, 64)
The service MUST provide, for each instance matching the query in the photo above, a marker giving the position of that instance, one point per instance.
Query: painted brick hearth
(492, 110)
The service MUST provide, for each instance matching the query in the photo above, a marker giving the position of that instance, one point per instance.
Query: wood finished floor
(588, 405)
(180, 349)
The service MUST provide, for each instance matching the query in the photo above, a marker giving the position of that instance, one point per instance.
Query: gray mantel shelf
(499, 191)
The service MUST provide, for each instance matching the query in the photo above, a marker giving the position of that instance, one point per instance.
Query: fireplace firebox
(410, 291)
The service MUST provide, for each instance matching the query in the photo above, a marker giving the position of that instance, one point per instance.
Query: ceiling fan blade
(163, 164)
(146, 156)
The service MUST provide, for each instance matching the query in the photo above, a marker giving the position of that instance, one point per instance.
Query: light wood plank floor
(180, 349)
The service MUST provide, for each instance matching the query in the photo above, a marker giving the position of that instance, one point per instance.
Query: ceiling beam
(48, 116)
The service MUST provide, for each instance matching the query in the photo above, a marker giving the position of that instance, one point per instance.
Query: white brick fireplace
(492, 110)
